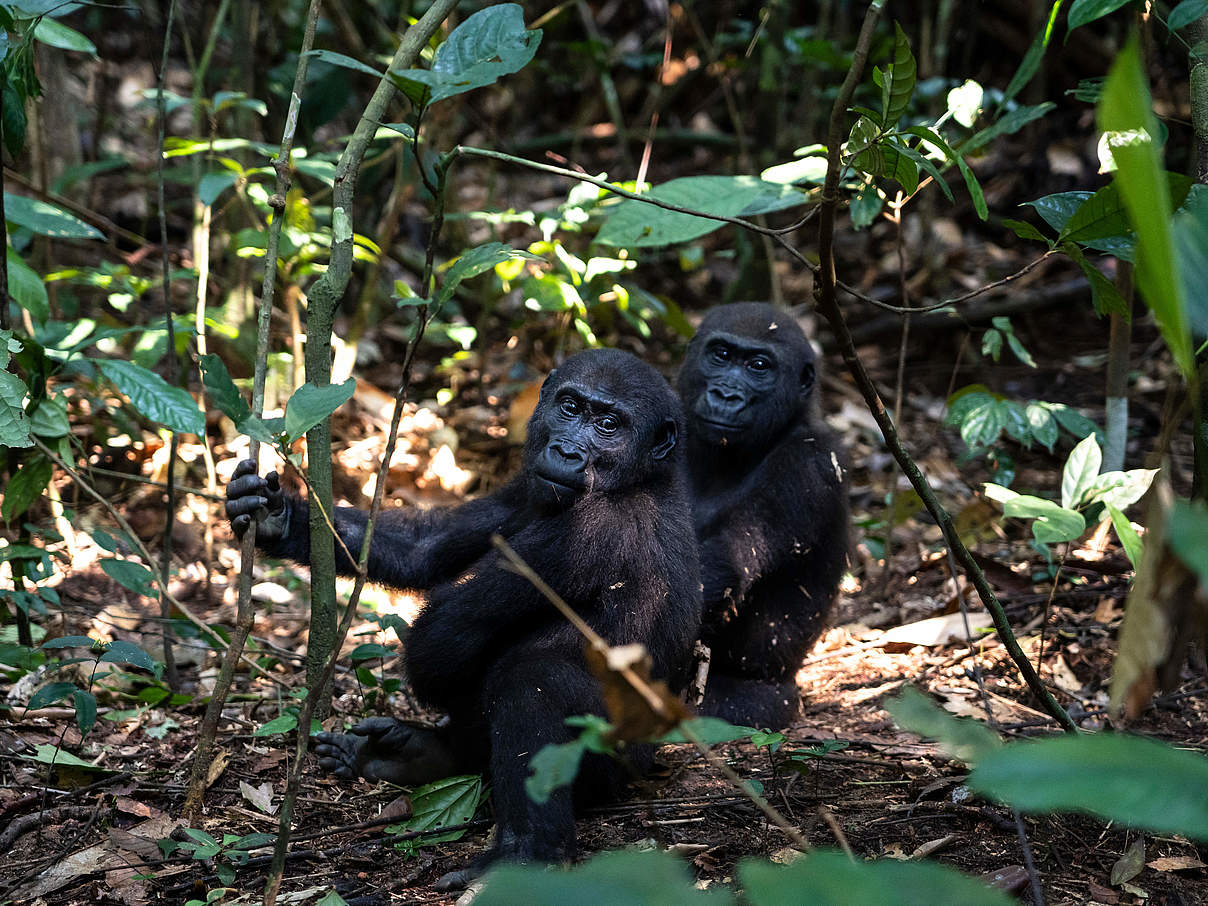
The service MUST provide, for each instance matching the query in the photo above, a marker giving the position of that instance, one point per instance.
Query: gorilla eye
(570, 406)
(759, 363)
(607, 424)
(721, 353)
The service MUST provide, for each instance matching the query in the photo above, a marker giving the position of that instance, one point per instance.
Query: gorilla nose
(571, 456)
(725, 396)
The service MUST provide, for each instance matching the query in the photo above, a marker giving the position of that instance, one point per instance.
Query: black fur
(770, 505)
(601, 511)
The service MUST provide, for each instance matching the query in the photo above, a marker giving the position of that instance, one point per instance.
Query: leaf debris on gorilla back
(638, 707)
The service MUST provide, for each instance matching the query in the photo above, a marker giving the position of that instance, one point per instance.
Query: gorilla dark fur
(770, 507)
(601, 511)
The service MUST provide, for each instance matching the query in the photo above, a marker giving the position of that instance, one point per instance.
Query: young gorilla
(770, 506)
(601, 511)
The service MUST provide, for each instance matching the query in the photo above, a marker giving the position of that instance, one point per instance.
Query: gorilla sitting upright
(770, 506)
(601, 511)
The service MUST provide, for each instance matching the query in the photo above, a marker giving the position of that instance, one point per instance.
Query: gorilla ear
(548, 383)
(665, 439)
(807, 378)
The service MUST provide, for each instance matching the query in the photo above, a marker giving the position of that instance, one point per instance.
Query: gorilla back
(769, 503)
(601, 511)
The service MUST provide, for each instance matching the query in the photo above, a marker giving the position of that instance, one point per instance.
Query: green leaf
(1191, 241)
(1081, 470)
(992, 344)
(153, 396)
(474, 262)
(1057, 209)
(1104, 295)
(26, 487)
(622, 878)
(1186, 13)
(26, 288)
(1032, 59)
(1119, 489)
(130, 575)
(1042, 425)
(1084, 11)
(49, 694)
(982, 425)
(14, 425)
(1100, 216)
(960, 737)
(1008, 124)
(1187, 529)
(85, 708)
(283, 724)
(1129, 539)
(709, 730)
(1138, 782)
(56, 34)
(214, 184)
(43, 219)
(1023, 230)
(331, 898)
(70, 641)
(222, 389)
(975, 190)
(823, 878)
(50, 418)
(899, 80)
(339, 59)
(453, 800)
(48, 754)
(1053, 523)
(552, 768)
(121, 652)
(252, 841)
(490, 44)
(634, 223)
(369, 651)
(1125, 115)
(309, 405)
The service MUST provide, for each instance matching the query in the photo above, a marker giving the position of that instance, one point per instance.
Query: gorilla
(600, 509)
(769, 496)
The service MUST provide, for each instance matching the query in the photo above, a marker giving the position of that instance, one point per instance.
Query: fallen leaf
(259, 796)
(1176, 863)
(937, 630)
(1129, 865)
(1009, 878)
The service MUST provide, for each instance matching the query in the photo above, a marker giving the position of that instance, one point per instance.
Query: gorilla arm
(410, 549)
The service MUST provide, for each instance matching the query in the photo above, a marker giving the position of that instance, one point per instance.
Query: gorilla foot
(383, 748)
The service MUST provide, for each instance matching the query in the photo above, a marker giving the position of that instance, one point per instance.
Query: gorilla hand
(250, 495)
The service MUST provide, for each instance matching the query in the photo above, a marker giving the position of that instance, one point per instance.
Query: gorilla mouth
(722, 425)
(558, 487)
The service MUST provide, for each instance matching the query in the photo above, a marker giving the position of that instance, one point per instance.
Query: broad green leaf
(1119, 489)
(252, 841)
(490, 44)
(899, 79)
(1100, 216)
(48, 754)
(1084, 11)
(622, 878)
(347, 62)
(1125, 115)
(265, 430)
(923, 163)
(992, 344)
(43, 219)
(1057, 209)
(1081, 470)
(283, 724)
(1052, 523)
(49, 694)
(1186, 13)
(26, 288)
(960, 737)
(130, 575)
(710, 731)
(1191, 242)
(309, 405)
(1137, 782)
(1129, 539)
(214, 184)
(552, 768)
(975, 190)
(121, 652)
(824, 878)
(982, 425)
(50, 418)
(1187, 529)
(474, 262)
(1073, 421)
(222, 389)
(13, 118)
(804, 169)
(865, 206)
(85, 708)
(1104, 295)
(153, 396)
(1042, 424)
(1023, 230)
(56, 34)
(70, 641)
(453, 800)
(634, 223)
(25, 487)
(368, 651)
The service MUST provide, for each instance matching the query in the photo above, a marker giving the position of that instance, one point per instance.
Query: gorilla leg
(763, 704)
(526, 700)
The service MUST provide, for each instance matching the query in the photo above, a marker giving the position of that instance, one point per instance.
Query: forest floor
(89, 837)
